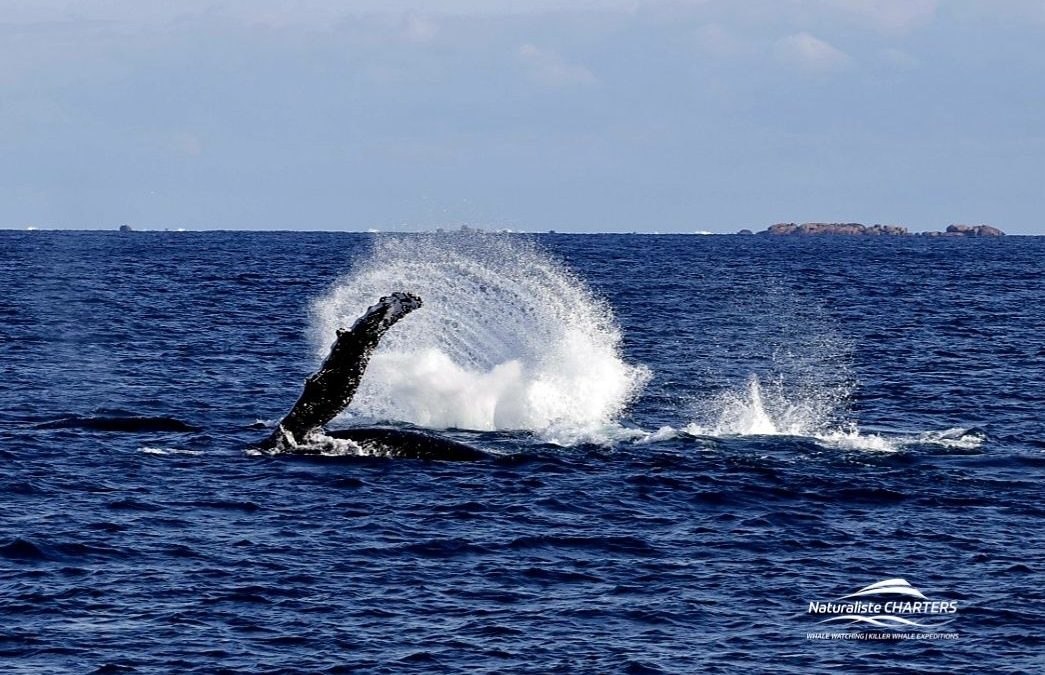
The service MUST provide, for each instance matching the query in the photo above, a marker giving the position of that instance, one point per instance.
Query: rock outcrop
(814, 229)
(856, 229)
(968, 231)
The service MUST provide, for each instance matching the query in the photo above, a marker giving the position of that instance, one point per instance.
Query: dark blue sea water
(820, 414)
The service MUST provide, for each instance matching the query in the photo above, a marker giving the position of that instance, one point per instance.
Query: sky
(586, 116)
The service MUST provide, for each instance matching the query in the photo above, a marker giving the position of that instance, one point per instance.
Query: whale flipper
(330, 389)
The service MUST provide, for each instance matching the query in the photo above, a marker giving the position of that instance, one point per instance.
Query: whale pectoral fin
(379, 317)
(330, 389)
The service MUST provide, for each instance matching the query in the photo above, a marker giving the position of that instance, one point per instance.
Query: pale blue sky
(594, 115)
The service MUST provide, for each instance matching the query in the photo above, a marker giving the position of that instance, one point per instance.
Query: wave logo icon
(887, 587)
(891, 604)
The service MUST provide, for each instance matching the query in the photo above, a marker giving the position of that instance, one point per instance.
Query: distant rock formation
(745, 231)
(813, 229)
(967, 231)
(126, 228)
(856, 229)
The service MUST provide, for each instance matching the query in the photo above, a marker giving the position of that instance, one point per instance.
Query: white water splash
(167, 451)
(507, 339)
(756, 410)
(955, 438)
(665, 433)
(318, 443)
(851, 438)
(771, 410)
(315, 444)
(776, 410)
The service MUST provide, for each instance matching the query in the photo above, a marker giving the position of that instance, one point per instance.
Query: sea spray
(759, 410)
(755, 409)
(798, 379)
(508, 339)
(772, 409)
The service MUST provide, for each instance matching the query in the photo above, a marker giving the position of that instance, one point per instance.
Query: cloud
(716, 41)
(547, 68)
(810, 54)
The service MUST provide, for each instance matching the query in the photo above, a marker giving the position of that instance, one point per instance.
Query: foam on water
(955, 438)
(507, 339)
(147, 450)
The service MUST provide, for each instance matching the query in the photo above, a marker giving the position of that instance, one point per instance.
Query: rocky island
(967, 231)
(857, 229)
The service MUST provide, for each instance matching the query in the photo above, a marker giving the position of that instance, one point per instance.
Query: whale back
(406, 444)
(409, 444)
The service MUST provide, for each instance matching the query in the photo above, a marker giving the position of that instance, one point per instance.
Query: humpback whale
(330, 389)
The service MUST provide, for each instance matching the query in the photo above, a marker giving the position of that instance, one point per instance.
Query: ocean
(697, 444)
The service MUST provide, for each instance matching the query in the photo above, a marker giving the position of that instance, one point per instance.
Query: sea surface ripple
(816, 415)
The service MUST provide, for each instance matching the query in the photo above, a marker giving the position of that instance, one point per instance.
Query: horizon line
(697, 233)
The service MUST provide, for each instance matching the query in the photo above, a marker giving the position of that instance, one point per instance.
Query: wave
(508, 339)
(888, 587)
